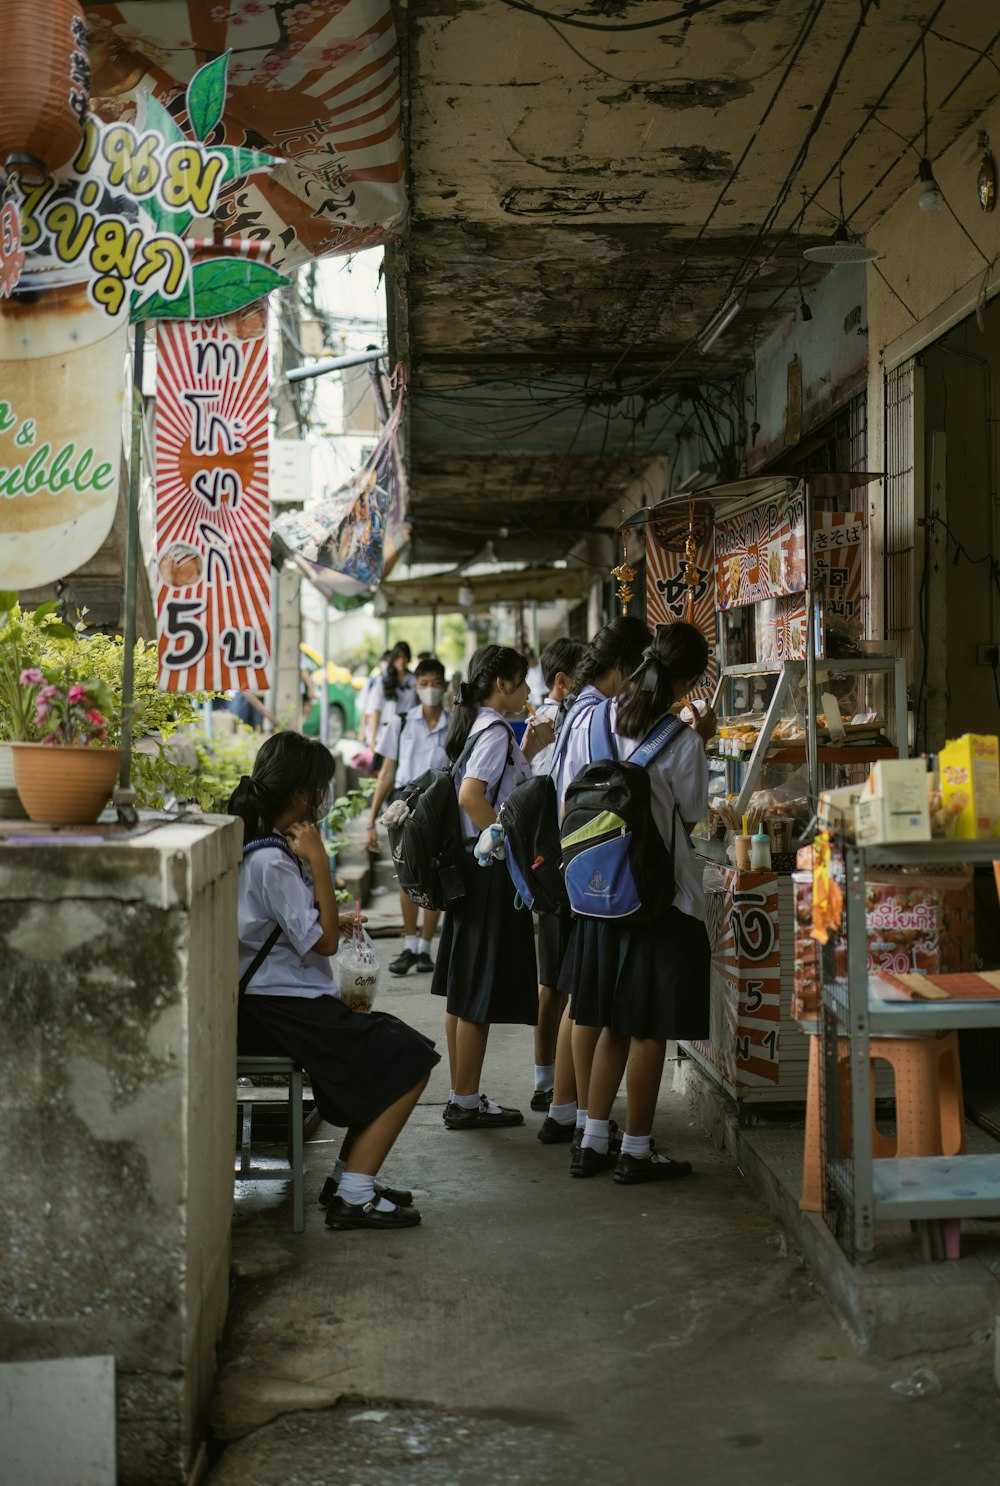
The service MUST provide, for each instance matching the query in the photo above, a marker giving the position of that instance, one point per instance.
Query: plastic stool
(930, 1115)
(246, 1067)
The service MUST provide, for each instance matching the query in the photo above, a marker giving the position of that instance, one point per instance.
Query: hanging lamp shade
(44, 82)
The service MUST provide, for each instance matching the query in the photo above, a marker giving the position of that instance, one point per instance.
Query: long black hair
(285, 764)
(618, 646)
(490, 664)
(679, 652)
(391, 683)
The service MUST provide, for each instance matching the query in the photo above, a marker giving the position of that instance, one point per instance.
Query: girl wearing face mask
(486, 962)
(393, 693)
(410, 745)
(367, 1071)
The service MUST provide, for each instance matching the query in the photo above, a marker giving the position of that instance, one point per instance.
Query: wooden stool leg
(951, 1099)
(811, 1200)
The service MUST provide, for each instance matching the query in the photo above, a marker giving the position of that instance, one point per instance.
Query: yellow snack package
(970, 786)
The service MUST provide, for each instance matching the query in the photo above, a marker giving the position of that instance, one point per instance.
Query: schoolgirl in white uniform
(410, 745)
(486, 963)
(612, 654)
(367, 1071)
(394, 693)
(643, 983)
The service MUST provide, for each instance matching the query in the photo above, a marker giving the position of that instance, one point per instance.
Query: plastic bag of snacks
(355, 968)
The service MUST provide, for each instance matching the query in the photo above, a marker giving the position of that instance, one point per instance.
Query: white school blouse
(576, 748)
(488, 762)
(272, 890)
(386, 707)
(418, 749)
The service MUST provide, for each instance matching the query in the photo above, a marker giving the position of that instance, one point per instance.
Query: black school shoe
(457, 1118)
(342, 1215)
(403, 963)
(552, 1133)
(588, 1162)
(423, 964)
(391, 1194)
(540, 1101)
(630, 1171)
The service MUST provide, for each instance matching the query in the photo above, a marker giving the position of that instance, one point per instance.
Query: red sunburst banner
(213, 598)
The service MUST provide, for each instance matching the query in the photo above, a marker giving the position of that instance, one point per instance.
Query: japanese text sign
(213, 601)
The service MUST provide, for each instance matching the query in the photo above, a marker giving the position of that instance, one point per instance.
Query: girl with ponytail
(636, 985)
(367, 1071)
(486, 961)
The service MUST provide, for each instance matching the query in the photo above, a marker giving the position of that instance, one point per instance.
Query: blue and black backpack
(616, 864)
(530, 820)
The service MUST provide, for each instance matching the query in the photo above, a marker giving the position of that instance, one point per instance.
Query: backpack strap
(578, 708)
(655, 741)
(602, 743)
(467, 752)
(277, 843)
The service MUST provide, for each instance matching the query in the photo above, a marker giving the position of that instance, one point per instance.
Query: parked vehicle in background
(343, 690)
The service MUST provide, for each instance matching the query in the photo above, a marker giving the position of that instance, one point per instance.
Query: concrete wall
(118, 1120)
(832, 350)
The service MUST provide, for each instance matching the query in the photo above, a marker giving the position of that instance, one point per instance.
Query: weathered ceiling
(583, 202)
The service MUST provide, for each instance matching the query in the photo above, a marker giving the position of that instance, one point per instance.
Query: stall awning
(316, 84)
(424, 595)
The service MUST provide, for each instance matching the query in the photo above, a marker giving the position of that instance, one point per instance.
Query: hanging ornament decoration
(44, 84)
(624, 575)
(692, 577)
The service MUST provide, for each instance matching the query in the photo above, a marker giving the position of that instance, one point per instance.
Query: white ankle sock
(423, 946)
(466, 1101)
(545, 1076)
(636, 1146)
(339, 1167)
(356, 1188)
(563, 1114)
(581, 1119)
(410, 943)
(596, 1135)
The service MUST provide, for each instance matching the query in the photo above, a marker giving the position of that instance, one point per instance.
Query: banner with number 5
(213, 587)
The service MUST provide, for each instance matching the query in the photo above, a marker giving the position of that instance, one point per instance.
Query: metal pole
(132, 559)
(812, 762)
(324, 685)
(434, 629)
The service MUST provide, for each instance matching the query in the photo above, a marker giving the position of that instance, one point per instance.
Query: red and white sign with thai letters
(213, 598)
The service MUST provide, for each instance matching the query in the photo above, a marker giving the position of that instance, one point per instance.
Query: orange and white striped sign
(213, 595)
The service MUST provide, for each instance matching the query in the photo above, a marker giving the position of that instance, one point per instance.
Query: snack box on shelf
(970, 785)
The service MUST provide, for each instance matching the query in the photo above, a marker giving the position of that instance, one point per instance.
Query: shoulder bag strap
(260, 957)
(602, 743)
(565, 728)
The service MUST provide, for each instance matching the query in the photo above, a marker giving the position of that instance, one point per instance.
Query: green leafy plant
(221, 763)
(24, 641)
(345, 809)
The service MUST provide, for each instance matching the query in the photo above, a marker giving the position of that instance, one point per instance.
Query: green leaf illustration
(206, 96)
(225, 284)
(158, 308)
(163, 123)
(243, 162)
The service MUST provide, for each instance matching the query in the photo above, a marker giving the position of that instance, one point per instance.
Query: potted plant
(24, 638)
(66, 778)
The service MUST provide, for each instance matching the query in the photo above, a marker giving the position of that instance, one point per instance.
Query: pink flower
(50, 738)
(31, 677)
(97, 718)
(47, 692)
(41, 713)
(76, 693)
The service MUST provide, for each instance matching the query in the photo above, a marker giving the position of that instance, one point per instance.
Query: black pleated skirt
(647, 980)
(358, 1063)
(554, 933)
(486, 959)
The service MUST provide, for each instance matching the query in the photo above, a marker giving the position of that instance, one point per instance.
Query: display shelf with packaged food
(860, 1188)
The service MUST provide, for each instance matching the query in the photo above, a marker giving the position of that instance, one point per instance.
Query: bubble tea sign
(103, 243)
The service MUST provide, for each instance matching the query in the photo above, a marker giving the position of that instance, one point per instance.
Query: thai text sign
(213, 601)
(668, 597)
(762, 553)
(742, 927)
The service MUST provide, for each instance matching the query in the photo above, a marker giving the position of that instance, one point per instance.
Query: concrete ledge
(896, 1306)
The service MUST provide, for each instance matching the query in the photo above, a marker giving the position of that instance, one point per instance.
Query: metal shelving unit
(860, 1188)
(791, 754)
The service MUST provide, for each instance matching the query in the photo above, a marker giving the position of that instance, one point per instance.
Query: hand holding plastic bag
(355, 968)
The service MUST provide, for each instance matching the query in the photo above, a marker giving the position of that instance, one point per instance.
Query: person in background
(612, 654)
(241, 706)
(410, 745)
(367, 1070)
(639, 984)
(365, 698)
(394, 692)
(560, 659)
(536, 679)
(486, 962)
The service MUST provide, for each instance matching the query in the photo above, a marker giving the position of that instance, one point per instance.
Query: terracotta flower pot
(64, 784)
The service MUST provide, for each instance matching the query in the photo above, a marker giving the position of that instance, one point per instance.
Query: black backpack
(615, 862)
(428, 852)
(530, 820)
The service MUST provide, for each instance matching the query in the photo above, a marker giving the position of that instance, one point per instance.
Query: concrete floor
(539, 1329)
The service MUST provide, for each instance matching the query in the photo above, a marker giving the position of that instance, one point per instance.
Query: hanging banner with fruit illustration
(762, 553)
(213, 598)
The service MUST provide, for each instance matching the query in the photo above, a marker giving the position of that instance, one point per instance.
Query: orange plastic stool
(930, 1115)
